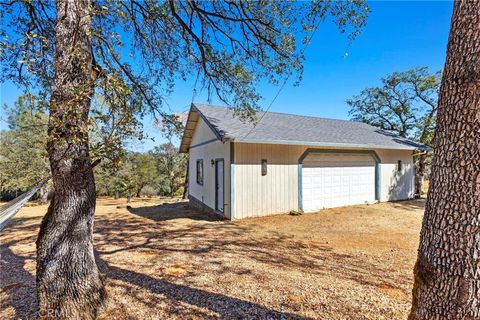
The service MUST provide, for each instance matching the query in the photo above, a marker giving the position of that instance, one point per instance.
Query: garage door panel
(333, 180)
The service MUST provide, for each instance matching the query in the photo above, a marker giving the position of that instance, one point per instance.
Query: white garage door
(335, 180)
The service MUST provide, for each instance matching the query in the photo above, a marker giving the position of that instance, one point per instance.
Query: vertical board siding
(210, 151)
(396, 185)
(257, 195)
(277, 192)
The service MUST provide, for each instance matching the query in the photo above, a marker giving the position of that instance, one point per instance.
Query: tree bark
(420, 175)
(185, 184)
(43, 193)
(69, 285)
(447, 272)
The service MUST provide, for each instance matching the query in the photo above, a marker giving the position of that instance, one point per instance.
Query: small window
(200, 172)
(399, 165)
(264, 167)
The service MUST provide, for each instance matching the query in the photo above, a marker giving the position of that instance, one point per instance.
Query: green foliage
(145, 170)
(121, 178)
(161, 171)
(405, 104)
(23, 158)
(180, 192)
(110, 128)
(149, 190)
(228, 46)
(171, 167)
(23, 155)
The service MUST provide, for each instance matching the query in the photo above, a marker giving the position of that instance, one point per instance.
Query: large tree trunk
(420, 174)
(69, 285)
(447, 272)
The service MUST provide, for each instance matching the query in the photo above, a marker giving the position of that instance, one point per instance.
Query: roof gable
(194, 119)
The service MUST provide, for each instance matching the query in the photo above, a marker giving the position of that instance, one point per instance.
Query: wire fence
(9, 209)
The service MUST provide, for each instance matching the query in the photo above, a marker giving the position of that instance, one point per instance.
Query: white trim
(322, 144)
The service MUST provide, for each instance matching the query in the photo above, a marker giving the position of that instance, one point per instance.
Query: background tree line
(160, 171)
(24, 159)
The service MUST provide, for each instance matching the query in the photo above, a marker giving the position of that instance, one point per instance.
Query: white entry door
(335, 180)
(219, 185)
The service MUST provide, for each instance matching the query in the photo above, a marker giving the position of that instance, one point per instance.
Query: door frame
(217, 161)
(371, 153)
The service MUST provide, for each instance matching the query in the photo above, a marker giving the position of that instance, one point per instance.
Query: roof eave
(326, 144)
(188, 131)
(186, 137)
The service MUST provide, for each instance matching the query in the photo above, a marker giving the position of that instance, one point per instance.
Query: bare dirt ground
(165, 261)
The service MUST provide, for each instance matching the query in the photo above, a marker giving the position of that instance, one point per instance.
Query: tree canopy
(160, 171)
(405, 104)
(171, 167)
(141, 47)
(23, 157)
(24, 160)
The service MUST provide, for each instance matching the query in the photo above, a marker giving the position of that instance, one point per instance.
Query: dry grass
(165, 261)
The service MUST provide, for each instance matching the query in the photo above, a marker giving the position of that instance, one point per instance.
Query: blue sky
(398, 36)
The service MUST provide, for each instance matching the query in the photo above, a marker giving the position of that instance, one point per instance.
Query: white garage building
(290, 162)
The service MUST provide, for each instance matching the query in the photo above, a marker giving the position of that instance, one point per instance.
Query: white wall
(209, 151)
(277, 192)
(396, 185)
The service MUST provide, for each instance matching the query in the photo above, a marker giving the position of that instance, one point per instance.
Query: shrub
(179, 191)
(149, 191)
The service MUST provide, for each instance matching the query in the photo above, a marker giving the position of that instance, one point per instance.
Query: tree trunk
(117, 195)
(185, 184)
(447, 272)
(69, 285)
(420, 175)
(43, 193)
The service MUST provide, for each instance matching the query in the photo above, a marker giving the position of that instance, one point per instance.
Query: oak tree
(143, 171)
(447, 271)
(131, 53)
(405, 104)
(171, 168)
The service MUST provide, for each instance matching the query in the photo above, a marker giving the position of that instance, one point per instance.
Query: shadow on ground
(134, 250)
(17, 284)
(410, 205)
(174, 210)
(222, 306)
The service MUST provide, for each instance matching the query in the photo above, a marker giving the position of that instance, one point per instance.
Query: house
(289, 162)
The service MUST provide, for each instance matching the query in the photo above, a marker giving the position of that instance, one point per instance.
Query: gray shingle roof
(284, 128)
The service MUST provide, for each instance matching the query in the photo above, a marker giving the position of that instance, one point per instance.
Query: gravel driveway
(165, 261)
